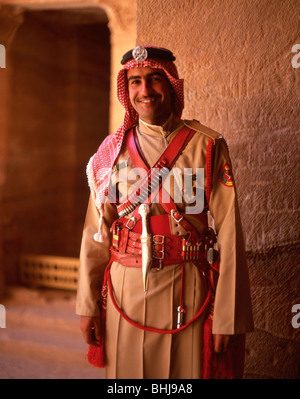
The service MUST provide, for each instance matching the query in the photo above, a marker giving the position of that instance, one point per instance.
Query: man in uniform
(175, 298)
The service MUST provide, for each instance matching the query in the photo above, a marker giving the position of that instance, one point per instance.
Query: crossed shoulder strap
(150, 185)
(209, 168)
(145, 191)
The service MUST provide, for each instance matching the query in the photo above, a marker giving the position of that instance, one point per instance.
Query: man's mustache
(150, 97)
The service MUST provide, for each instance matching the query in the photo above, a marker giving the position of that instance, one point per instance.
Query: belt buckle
(131, 223)
(160, 236)
(161, 252)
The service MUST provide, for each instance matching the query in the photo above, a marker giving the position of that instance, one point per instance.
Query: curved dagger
(146, 243)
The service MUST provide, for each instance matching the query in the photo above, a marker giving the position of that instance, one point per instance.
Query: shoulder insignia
(226, 176)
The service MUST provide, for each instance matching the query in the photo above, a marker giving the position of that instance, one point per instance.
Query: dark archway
(58, 115)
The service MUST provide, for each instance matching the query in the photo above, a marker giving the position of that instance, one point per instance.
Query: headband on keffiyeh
(100, 166)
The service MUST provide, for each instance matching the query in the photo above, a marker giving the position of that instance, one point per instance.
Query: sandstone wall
(236, 59)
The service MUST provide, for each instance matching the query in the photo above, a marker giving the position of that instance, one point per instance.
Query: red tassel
(96, 354)
(225, 365)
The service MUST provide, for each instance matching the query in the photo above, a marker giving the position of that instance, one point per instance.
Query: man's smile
(147, 100)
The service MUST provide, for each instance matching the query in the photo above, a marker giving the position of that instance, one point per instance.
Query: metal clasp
(157, 269)
(155, 241)
(180, 312)
(158, 240)
(161, 242)
(131, 223)
(177, 219)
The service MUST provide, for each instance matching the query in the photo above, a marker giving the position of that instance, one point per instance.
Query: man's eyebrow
(134, 77)
(147, 76)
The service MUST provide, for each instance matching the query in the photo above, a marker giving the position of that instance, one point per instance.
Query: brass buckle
(161, 252)
(158, 242)
(131, 223)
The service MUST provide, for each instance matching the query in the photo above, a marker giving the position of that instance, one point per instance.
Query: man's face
(150, 94)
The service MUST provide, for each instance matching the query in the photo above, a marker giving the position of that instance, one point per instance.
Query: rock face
(236, 59)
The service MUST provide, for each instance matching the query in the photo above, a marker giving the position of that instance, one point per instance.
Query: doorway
(58, 116)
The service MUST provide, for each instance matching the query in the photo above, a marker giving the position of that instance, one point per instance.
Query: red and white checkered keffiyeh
(100, 166)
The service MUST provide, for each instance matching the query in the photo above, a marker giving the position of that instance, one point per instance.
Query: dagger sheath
(146, 243)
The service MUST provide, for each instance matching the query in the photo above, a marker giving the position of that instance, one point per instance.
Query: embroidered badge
(226, 176)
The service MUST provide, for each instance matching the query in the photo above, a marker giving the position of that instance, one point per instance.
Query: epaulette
(196, 125)
(213, 136)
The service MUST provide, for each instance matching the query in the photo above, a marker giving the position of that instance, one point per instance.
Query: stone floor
(42, 338)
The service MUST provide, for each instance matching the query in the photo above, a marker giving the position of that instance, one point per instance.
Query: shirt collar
(164, 130)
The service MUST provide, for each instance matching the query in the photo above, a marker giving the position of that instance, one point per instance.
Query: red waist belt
(167, 248)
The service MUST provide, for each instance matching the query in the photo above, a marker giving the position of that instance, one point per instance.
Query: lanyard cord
(153, 329)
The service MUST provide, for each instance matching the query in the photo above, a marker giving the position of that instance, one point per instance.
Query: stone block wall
(236, 59)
